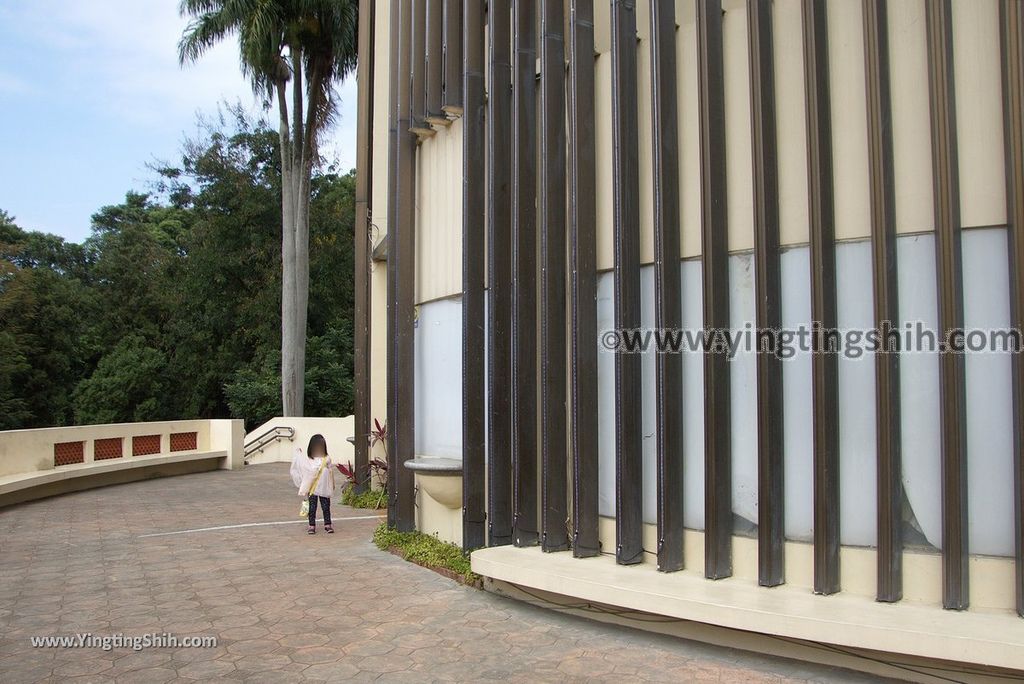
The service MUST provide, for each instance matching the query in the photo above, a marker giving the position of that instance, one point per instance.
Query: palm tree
(305, 47)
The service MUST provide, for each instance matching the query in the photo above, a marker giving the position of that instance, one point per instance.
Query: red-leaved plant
(379, 435)
(378, 467)
(350, 475)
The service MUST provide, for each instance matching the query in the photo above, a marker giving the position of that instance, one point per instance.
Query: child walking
(313, 474)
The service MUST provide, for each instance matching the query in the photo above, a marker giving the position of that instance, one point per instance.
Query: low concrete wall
(38, 463)
(335, 430)
(39, 486)
(30, 451)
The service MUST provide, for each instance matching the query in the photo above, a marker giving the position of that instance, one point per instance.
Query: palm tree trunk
(301, 269)
(298, 151)
(292, 374)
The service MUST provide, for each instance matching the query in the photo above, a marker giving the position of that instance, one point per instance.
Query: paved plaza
(287, 607)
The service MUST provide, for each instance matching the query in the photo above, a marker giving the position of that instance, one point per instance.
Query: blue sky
(91, 92)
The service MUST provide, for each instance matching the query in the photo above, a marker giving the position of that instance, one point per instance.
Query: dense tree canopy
(171, 309)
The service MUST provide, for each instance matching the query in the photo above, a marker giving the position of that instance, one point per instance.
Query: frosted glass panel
(796, 395)
(693, 402)
(988, 395)
(743, 390)
(647, 369)
(606, 398)
(439, 379)
(857, 486)
(989, 399)
(919, 388)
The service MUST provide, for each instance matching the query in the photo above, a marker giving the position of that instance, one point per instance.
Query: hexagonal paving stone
(383, 664)
(81, 666)
(242, 633)
(387, 620)
(330, 672)
(585, 666)
(369, 647)
(206, 670)
(262, 662)
(316, 654)
(149, 675)
(303, 640)
(254, 647)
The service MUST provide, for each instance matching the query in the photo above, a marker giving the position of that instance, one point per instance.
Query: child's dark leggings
(325, 503)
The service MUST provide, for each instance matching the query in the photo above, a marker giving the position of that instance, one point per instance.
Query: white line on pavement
(259, 524)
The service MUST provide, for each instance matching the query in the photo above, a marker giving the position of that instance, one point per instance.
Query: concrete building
(538, 177)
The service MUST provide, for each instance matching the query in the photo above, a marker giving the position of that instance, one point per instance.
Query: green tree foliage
(130, 384)
(46, 306)
(171, 309)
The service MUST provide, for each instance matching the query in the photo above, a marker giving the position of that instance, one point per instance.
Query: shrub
(371, 498)
(428, 551)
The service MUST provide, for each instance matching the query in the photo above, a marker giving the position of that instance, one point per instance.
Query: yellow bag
(304, 508)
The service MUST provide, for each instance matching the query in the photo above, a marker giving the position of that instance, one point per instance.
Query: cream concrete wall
(979, 114)
(378, 349)
(229, 435)
(438, 212)
(912, 152)
(438, 191)
(893, 666)
(991, 578)
(27, 451)
(27, 470)
(381, 77)
(335, 430)
(739, 154)
(433, 518)
(948, 641)
(849, 120)
(688, 99)
(16, 489)
(790, 122)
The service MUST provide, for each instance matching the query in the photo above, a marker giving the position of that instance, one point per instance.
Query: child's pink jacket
(304, 469)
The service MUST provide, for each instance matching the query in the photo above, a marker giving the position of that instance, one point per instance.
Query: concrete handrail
(335, 430)
(275, 433)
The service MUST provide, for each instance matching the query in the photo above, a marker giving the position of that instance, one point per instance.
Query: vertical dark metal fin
(886, 296)
(394, 29)
(626, 172)
(946, 183)
(363, 214)
(715, 262)
(583, 247)
(824, 366)
(771, 532)
(499, 222)
(474, 220)
(524, 274)
(418, 75)
(667, 286)
(453, 56)
(402, 257)
(551, 212)
(435, 62)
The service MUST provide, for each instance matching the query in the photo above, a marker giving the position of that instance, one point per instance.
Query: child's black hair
(316, 442)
